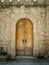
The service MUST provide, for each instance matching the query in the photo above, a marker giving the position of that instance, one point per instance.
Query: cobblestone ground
(26, 62)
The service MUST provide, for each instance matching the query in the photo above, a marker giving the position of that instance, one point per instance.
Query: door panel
(29, 44)
(24, 37)
(19, 45)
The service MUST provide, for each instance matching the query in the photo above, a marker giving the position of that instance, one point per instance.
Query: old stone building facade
(39, 16)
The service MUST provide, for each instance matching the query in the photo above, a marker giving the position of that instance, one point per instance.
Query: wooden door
(24, 37)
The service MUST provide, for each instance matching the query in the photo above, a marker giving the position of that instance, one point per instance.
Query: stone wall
(40, 19)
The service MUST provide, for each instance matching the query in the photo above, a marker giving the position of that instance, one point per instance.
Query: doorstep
(25, 57)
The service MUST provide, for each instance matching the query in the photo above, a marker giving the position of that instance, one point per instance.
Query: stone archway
(24, 37)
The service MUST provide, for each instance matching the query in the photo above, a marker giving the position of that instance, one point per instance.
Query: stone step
(25, 57)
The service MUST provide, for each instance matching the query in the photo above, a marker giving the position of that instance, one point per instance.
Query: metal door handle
(24, 40)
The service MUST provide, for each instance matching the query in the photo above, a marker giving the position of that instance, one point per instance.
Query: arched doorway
(24, 37)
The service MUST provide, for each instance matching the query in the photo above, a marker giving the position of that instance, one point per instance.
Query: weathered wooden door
(24, 37)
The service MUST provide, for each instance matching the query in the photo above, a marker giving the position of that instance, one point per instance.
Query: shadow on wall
(2, 51)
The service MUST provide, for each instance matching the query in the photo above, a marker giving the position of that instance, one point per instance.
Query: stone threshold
(25, 57)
